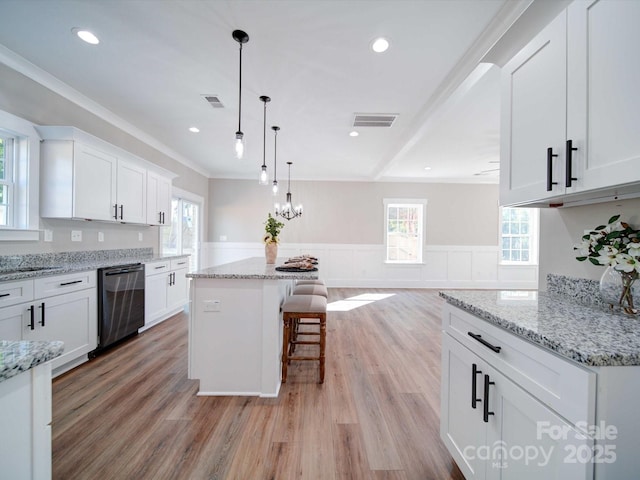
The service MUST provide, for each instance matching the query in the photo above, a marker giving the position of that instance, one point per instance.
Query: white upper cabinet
(131, 199)
(84, 177)
(603, 112)
(569, 108)
(534, 117)
(158, 199)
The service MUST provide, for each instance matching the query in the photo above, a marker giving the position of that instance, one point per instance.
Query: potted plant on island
(272, 229)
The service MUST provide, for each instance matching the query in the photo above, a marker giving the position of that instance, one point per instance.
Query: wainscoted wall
(360, 265)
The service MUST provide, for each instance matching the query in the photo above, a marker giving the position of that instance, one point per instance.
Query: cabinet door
(155, 295)
(131, 193)
(12, 320)
(94, 183)
(177, 293)
(71, 318)
(158, 199)
(528, 441)
(603, 101)
(461, 425)
(533, 117)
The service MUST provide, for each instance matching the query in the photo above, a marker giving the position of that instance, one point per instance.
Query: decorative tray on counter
(296, 269)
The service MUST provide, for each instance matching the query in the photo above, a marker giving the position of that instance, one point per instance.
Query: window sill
(10, 235)
(404, 264)
(518, 264)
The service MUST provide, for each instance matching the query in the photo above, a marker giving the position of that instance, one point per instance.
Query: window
(6, 180)
(404, 230)
(19, 166)
(519, 235)
(183, 235)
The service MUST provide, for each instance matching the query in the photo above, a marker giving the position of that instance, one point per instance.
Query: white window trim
(386, 202)
(535, 237)
(26, 174)
(194, 198)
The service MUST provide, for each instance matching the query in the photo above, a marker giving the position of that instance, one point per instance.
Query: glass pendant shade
(239, 145)
(264, 177)
(274, 188)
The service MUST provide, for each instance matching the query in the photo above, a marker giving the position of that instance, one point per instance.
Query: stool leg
(323, 337)
(285, 347)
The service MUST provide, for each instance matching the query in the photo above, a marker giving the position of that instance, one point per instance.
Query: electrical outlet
(223, 238)
(48, 236)
(100, 236)
(139, 236)
(211, 305)
(76, 235)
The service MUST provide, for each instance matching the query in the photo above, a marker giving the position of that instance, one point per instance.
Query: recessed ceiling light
(194, 129)
(353, 134)
(427, 168)
(380, 45)
(85, 35)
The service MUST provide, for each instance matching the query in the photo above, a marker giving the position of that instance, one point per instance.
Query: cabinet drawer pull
(32, 323)
(486, 411)
(568, 175)
(159, 267)
(160, 217)
(550, 156)
(70, 283)
(42, 317)
(474, 383)
(2, 295)
(479, 338)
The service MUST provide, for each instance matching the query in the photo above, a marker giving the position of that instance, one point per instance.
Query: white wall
(362, 265)
(343, 224)
(562, 228)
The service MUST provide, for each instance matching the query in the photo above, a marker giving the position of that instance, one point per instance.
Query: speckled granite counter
(252, 268)
(19, 356)
(588, 334)
(47, 264)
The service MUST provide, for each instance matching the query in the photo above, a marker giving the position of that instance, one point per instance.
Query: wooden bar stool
(307, 307)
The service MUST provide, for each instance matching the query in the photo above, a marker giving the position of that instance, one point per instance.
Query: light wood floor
(133, 414)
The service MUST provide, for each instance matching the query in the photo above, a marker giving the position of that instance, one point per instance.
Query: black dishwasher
(120, 303)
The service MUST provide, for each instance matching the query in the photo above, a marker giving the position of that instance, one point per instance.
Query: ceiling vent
(214, 101)
(374, 119)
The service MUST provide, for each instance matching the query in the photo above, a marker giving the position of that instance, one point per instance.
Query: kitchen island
(235, 327)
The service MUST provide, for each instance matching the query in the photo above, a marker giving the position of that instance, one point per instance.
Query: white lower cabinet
(505, 433)
(166, 289)
(62, 307)
(25, 420)
(493, 422)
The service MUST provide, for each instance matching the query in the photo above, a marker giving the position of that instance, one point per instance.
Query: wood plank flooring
(133, 414)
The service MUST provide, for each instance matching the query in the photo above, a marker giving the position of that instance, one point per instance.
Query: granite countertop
(590, 334)
(19, 356)
(252, 268)
(49, 264)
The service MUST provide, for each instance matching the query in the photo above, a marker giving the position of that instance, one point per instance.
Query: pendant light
(240, 37)
(274, 187)
(288, 211)
(264, 177)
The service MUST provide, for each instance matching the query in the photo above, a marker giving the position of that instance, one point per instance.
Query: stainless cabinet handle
(115, 211)
(42, 317)
(161, 266)
(121, 210)
(70, 283)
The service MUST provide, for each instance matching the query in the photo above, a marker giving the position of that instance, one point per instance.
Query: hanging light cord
(240, 90)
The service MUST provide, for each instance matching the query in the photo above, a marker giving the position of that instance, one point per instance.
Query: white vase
(271, 252)
(620, 289)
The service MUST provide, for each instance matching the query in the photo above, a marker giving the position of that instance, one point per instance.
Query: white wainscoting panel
(358, 265)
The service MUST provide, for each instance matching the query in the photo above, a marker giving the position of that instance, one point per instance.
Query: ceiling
(156, 58)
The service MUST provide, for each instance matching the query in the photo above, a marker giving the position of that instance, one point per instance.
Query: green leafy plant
(616, 244)
(272, 229)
